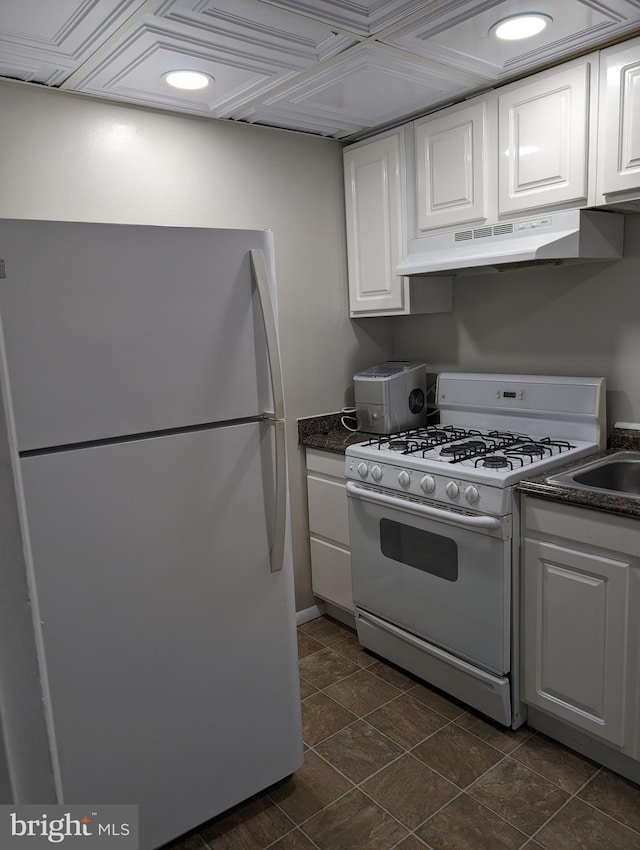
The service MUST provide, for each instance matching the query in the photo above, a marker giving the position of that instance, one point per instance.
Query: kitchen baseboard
(584, 744)
(311, 613)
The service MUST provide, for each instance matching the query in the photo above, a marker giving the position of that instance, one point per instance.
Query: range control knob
(428, 483)
(472, 494)
(376, 473)
(452, 490)
(363, 469)
(403, 479)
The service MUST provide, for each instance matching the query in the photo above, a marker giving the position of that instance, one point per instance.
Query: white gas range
(434, 531)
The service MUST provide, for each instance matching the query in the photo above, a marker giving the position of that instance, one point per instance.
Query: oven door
(444, 576)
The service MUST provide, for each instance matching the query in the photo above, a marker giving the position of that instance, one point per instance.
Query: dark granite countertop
(541, 487)
(328, 433)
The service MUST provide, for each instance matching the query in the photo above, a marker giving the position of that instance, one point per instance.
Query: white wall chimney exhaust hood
(572, 236)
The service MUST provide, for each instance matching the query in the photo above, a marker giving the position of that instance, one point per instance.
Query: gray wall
(74, 158)
(580, 320)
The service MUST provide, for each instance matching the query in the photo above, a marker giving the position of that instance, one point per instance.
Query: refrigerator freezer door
(169, 644)
(113, 329)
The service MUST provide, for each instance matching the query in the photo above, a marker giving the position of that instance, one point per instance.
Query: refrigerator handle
(261, 277)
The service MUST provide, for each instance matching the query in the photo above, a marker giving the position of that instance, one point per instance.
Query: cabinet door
(450, 168)
(331, 573)
(576, 637)
(543, 141)
(374, 177)
(619, 121)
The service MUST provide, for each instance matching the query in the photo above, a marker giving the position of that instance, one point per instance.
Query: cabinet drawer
(328, 514)
(327, 463)
(331, 573)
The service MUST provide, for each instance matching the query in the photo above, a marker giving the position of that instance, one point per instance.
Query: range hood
(571, 236)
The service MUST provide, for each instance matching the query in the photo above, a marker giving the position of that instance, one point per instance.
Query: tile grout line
(528, 840)
(574, 796)
(460, 791)
(406, 751)
(465, 790)
(504, 755)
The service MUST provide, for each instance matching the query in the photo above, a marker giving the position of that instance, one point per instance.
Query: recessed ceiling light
(190, 80)
(520, 26)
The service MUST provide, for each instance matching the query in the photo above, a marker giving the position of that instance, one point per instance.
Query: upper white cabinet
(524, 148)
(374, 175)
(452, 180)
(375, 178)
(619, 123)
(544, 128)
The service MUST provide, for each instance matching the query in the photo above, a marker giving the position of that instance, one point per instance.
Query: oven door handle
(354, 490)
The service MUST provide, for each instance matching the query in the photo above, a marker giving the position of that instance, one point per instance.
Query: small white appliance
(433, 521)
(391, 397)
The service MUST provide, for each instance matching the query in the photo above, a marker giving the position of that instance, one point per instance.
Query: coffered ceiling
(338, 69)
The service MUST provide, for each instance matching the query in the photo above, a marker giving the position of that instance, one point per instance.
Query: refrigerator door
(112, 330)
(169, 644)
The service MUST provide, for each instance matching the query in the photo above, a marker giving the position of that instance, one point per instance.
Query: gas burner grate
(453, 444)
(561, 445)
(491, 442)
(466, 449)
(420, 439)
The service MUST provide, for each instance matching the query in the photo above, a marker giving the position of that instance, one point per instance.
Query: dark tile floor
(391, 763)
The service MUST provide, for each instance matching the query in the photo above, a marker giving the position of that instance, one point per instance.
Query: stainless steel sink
(618, 474)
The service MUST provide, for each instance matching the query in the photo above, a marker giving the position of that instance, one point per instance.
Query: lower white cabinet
(329, 528)
(581, 592)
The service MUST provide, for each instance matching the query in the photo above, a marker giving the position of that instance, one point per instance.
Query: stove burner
(531, 449)
(397, 445)
(449, 450)
(495, 462)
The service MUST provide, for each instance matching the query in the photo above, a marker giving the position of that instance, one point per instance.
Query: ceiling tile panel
(257, 24)
(340, 68)
(45, 42)
(247, 48)
(134, 72)
(458, 33)
(365, 17)
(369, 86)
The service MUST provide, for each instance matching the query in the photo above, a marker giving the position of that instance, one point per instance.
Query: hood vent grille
(483, 232)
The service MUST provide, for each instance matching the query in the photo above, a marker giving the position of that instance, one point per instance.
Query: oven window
(423, 550)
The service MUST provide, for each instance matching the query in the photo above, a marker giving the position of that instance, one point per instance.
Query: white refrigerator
(143, 395)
